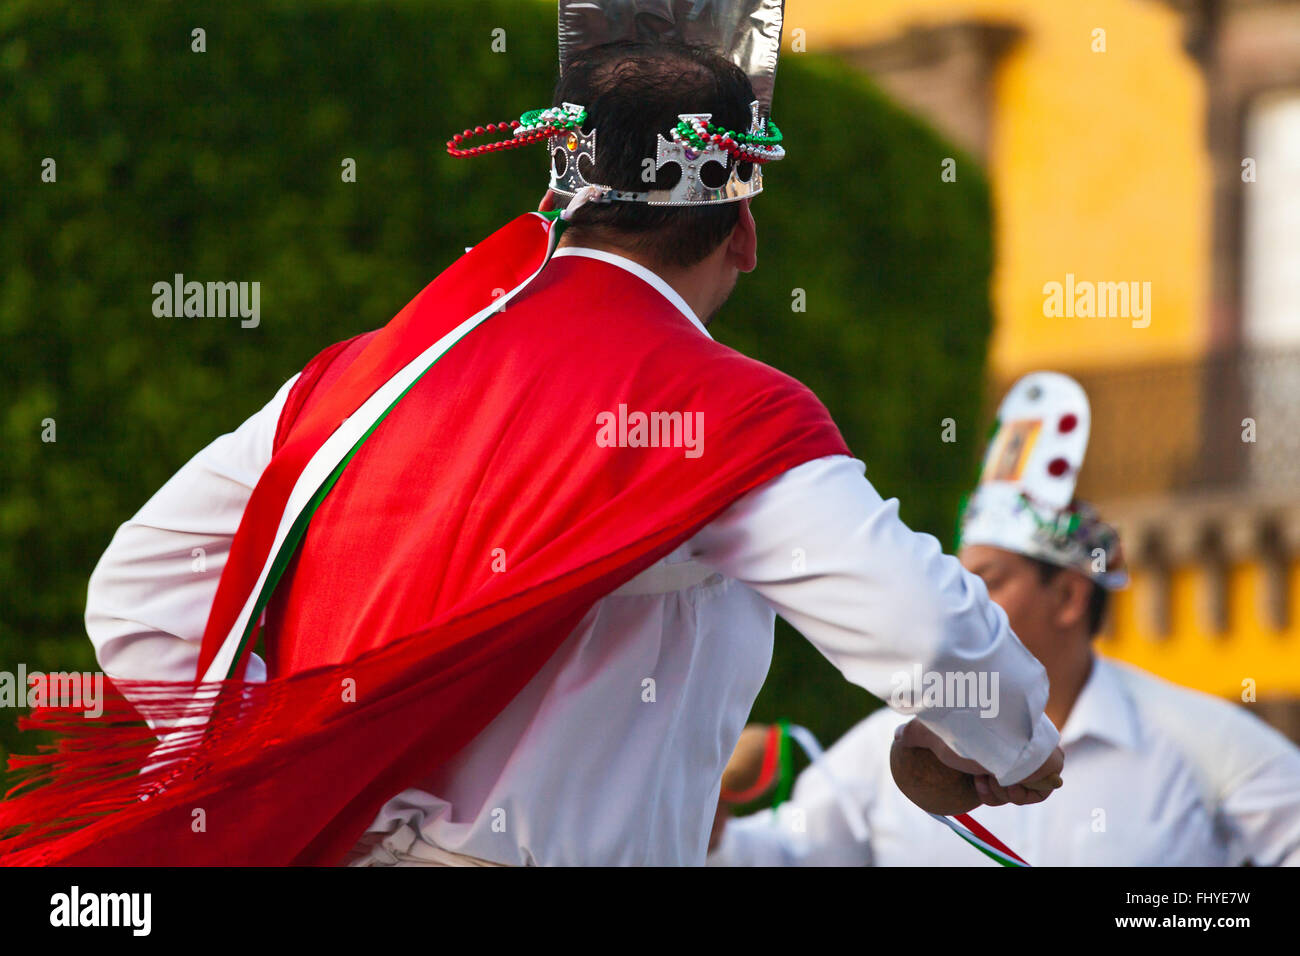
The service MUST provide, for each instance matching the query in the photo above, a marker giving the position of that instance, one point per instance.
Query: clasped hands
(935, 778)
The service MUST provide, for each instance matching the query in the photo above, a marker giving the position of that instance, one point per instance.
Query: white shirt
(613, 753)
(1155, 775)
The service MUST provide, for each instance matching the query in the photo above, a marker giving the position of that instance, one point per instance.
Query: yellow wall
(1097, 163)
(1193, 654)
(1099, 168)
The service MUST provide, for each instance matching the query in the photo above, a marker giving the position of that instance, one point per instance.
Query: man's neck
(1068, 677)
(688, 283)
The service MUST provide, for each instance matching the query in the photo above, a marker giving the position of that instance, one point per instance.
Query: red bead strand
(454, 144)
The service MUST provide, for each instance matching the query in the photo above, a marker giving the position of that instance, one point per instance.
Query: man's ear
(1074, 594)
(742, 247)
(547, 203)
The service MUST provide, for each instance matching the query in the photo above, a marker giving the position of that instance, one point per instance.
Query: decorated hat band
(746, 32)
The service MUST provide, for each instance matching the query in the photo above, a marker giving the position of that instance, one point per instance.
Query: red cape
(459, 546)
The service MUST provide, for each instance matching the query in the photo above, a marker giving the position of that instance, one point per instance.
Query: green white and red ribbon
(852, 815)
(777, 767)
(970, 830)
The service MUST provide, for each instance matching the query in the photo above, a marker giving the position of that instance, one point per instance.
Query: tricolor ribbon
(970, 830)
(777, 767)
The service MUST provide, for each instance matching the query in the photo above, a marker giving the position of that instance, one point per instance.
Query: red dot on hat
(1057, 467)
(1068, 423)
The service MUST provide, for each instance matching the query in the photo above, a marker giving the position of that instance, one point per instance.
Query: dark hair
(1098, 601)
(633, 91)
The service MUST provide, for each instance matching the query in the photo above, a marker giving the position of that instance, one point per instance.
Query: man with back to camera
(576, 629)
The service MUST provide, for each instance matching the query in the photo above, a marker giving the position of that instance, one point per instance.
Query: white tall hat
(1025, 499)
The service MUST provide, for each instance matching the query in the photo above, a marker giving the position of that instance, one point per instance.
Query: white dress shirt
(1155, 775)
(613, 753)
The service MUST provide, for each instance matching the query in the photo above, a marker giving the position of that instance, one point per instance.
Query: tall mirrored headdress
(1025, 499)
(746, 32)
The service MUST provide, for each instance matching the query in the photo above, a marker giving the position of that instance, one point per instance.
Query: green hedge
(226, 165)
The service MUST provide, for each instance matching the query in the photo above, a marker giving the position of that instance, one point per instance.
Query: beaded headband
(747, 32)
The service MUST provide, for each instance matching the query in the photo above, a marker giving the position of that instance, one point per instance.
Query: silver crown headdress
(747, 32)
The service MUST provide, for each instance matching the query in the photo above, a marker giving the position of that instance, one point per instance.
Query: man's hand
(935, 778)
(924, 777)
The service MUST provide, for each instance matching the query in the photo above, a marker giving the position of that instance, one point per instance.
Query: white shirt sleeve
(1250, 772)
(876, 598)
(1264, 811)
(811, 829)
(1258, 778)
(148, 598)
(807, 830)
